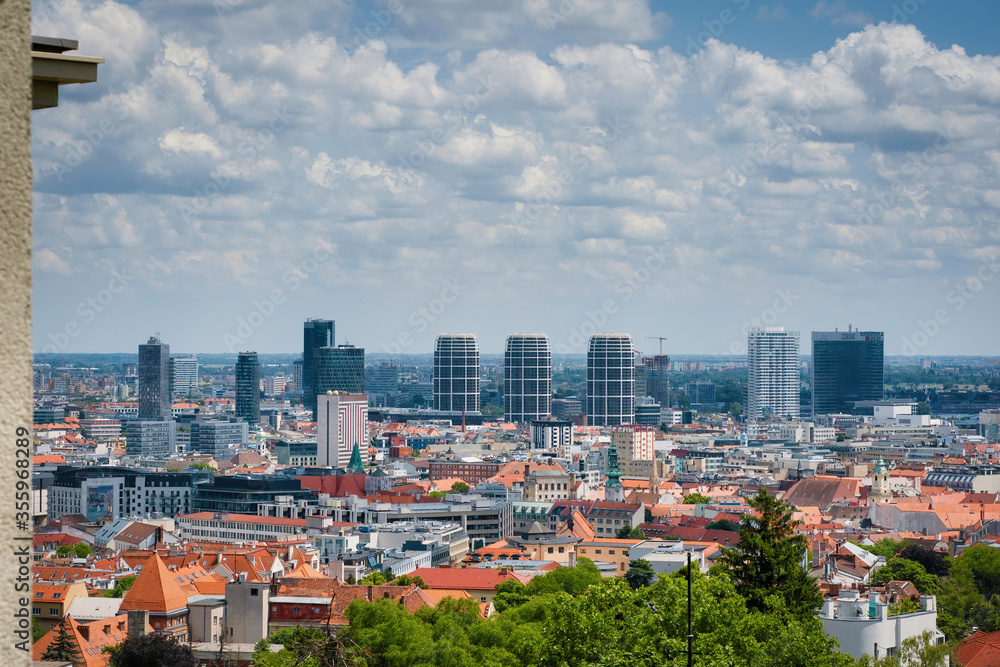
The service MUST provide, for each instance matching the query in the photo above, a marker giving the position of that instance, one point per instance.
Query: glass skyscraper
(154, 379)
(847, 366)
(610, 380)
(315, 334)
(340, 368)
(456, 372)
(527, 378)
(248, 387)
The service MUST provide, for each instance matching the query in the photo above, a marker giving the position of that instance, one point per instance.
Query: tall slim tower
(456, 372)
(184, 374)
(846, 366)
(154, 379)
(610, 380)
(527, 378)
(340, 368)
(315, 334)
(772, 372)
(248, 387)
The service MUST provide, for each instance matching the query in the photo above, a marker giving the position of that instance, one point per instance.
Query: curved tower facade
(456, 372)
(527, 378)
(610, 380)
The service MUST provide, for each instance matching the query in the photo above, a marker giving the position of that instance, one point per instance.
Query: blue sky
(685, 170)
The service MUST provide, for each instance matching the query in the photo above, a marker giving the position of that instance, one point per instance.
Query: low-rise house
(866, 625)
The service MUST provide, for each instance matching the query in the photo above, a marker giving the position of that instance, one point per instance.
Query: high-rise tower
(772, 373)
(340, 368)
(315, 334)
(456, 372)
(847, 366)
(610, 380)
(527, 378)
(248, 387)
(154, 379)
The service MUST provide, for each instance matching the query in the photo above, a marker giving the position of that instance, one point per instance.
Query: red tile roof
(155, 589)
(466, 579)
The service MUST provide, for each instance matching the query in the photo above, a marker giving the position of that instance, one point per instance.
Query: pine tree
(767, 559)
(63, 647)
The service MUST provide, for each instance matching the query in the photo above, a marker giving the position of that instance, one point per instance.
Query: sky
(665, 169)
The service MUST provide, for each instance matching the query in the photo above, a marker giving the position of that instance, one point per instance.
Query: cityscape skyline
(799, 166)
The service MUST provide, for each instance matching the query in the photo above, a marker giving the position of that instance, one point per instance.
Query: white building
(863, 626)
(772, 372)
(185, 370)
(237, 528)
(341, 421)
(552, 435)
(456, 372)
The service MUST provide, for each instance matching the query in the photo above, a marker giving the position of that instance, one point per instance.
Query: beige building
(548, 486)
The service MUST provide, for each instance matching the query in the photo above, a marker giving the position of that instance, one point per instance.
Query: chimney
(84, 631)
(137, 621)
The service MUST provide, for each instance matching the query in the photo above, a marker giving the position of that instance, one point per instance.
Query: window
(254, 592)
(482, 599)
(550, 549)
(597, 551)
(562, 549)
(37, 611)
(611, 551)
(53, 611)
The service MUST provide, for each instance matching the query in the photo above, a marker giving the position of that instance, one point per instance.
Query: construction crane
(661, 339)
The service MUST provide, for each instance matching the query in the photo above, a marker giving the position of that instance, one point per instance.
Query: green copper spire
(880, 468)
(356, 463)
(613, 472)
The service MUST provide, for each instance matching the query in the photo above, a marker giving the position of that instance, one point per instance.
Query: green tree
(374, 578)
(82, 550)
(459, 487)
(510, 593)
(696, 499)
(924, 408)
(900, 569)
(572, 580)
(630, 533)
(63, 646)
(121, 587)
(37, 631)
(723, 524)
(934, 562)
(640, 574)
(648, 515)
(153, 650)
(886, 548)
(407, 580)
(767, 559)
(736, 409)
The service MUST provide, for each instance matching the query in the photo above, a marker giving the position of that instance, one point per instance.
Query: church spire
(356, 463)
(613, 491)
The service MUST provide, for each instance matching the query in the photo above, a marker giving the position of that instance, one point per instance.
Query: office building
(381, 379)
(610, 380)
(656, 378)
(701, 392)
(551, 435)
(456, 373)
(184, 375)
(245, 494)
(315, 334)
(106, 493)
(154, 379)
(341, 421)
(772, 373)
(248, 387)
(150, 437)
(219, 438)
(340, 368)
(847, 366)
(297, 375)
(527, 375)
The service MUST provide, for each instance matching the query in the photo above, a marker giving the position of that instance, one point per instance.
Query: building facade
(340, 368)
(456, 372)
(219, 438)
(610, 380)
(341, 422)
(185, 374)
(315, 334)
(772, 373)
(106, 493)
(527, 378)
(154, 379)
(847, 366)
(248, 387)
(150, 437)
(551, 435)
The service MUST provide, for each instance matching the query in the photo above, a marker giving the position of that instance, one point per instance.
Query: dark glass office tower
(340, 368)
(315, 334)
(248, 387)
(154, 379)
(846, 366)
